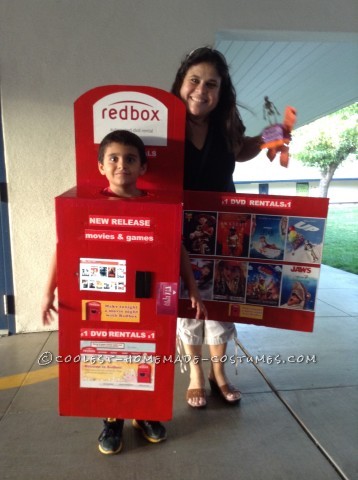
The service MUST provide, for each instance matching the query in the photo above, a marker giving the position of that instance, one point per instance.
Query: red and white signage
(134, 111)
(256, 258)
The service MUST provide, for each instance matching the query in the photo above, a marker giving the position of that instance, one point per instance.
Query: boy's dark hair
(123, 137)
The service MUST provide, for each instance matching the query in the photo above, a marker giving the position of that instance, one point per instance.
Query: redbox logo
(133, 112)
(140, 113)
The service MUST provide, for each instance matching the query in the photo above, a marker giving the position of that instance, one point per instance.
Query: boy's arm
(189, 280)
(185, 272)
(48, 299)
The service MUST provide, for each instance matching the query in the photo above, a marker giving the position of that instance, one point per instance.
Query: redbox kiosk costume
(256, 259)
(118, 263)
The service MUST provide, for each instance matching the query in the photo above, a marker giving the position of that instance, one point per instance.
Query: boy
(122, 159)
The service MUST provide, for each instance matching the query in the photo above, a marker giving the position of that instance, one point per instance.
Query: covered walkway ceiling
(315, 72)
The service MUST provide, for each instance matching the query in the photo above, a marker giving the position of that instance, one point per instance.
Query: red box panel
(256, 258)
(117, 351)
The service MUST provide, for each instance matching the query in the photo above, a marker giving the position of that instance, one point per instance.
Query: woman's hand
(198, 305)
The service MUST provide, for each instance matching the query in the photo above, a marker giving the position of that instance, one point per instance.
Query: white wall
(340, 191)
(52, 51)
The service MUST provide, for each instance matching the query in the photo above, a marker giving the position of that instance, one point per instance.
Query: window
(263, 188)
(302, 189)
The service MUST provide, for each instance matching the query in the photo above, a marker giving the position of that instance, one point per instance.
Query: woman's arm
(250, 148)
(186, 273)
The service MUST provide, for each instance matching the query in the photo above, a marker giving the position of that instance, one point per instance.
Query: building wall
(52, 51)
(340, 191)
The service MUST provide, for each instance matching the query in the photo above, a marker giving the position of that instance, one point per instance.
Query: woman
(215, 140)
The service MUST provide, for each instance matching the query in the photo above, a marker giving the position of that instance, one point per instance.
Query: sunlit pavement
(298, 418)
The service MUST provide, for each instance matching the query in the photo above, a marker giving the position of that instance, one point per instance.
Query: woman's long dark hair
(226, 115)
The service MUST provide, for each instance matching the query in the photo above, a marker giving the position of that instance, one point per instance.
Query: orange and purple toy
(276, 138)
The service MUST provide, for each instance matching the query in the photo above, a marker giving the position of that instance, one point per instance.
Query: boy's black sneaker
(154, 432)
(110, 440)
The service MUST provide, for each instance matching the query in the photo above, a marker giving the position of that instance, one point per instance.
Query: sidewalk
(298, 419)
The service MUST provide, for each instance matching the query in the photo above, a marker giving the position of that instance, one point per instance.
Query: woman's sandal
(224, 391)
(196, 393)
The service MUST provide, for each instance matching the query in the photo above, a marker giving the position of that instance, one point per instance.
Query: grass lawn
(341, 239)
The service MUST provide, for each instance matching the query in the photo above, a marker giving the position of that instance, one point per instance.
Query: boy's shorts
(209, 332)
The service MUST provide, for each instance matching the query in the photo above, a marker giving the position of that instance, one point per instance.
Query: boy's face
(122, 167)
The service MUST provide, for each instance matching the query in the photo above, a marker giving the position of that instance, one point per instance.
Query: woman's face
(200, 90)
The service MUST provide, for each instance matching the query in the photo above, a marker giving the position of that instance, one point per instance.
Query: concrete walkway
(298, 418)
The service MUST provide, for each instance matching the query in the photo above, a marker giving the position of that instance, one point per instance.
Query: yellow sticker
(251, 311)
(108, 311)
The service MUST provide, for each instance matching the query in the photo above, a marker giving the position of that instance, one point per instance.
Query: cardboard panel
(118, 271)
(256, 258)
(155, 115)
(118, 262)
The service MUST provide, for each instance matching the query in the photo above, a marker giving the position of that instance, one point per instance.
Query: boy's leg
(110, 439)
(152, 431)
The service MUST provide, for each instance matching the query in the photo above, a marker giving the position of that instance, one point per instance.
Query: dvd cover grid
(225, 250)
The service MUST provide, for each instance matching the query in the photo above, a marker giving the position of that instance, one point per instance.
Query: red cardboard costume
(255, 258)
(118, 263)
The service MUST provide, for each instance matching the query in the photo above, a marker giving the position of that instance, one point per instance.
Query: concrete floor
(295, 421)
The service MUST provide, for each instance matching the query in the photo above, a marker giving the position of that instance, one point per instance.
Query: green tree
(336, 137)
